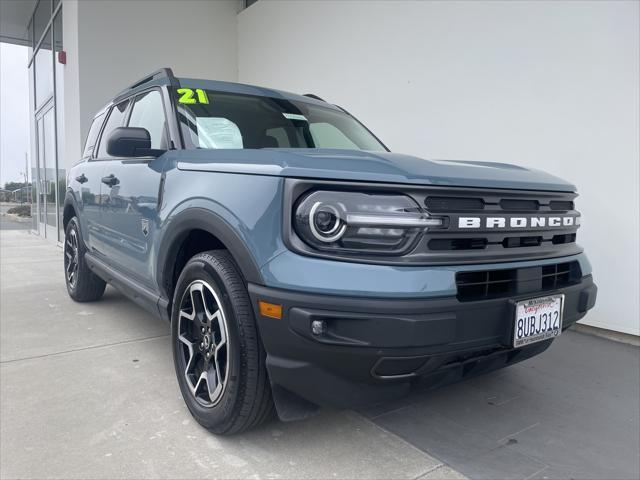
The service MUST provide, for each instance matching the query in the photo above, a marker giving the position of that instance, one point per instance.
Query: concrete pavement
(89, 391)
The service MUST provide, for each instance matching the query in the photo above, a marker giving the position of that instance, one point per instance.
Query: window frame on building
(44, 25)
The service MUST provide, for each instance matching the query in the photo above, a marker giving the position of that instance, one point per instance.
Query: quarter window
(92, 136)
(148, 113)
(115, 120)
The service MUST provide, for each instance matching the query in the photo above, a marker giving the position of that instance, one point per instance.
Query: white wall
(553, 85)
(111, 44)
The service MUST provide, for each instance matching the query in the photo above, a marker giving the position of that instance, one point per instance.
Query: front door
(129, 215)
(46, 173)
(130, 192)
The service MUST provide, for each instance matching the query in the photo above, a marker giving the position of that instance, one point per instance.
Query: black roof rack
(316, 97)
(161, 73)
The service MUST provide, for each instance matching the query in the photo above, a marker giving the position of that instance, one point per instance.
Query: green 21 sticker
(190, 97)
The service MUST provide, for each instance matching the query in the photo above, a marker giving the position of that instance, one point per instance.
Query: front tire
(218, 356)
(82, 284)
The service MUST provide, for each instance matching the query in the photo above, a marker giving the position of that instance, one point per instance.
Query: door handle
(110, 180)
(82, 179)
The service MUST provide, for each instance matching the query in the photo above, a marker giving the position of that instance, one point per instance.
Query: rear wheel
(82, 284)
(218, 356)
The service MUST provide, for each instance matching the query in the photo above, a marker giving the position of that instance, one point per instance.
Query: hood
(355, 165)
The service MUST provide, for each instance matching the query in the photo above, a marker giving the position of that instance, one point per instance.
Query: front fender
(199, 218)
(244, 212)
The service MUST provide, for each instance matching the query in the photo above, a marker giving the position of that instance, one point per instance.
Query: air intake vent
(560, 239)
(452, 204)
(561, 205)
(514, 242)
(473, 286)
(457, 243)
(520, 205)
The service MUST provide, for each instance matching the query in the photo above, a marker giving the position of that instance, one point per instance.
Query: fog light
(318, 327)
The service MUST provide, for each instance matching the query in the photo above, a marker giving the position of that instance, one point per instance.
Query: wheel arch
(70, 209)
(181, 228)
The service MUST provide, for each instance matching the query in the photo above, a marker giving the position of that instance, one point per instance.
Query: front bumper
(376, 349)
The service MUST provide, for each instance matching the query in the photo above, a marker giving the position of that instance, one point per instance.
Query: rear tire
(217, 351)
(82, 284)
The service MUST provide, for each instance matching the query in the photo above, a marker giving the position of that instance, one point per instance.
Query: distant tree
(11, 186)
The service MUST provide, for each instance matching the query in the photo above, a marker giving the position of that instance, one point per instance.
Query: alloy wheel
(71, 258)
(204, 348)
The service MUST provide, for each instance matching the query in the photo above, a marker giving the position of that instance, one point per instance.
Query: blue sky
(14, 111)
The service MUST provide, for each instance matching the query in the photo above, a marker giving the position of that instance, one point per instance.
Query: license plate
(537, 319)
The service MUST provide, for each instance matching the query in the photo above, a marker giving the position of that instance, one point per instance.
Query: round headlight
(326, 223)
(360, 222)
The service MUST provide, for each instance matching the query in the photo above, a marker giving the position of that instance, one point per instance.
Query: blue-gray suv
(301, 263)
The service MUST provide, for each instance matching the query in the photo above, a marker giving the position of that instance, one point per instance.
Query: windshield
(211, 119)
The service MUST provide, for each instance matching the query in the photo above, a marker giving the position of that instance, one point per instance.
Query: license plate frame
(541, 314)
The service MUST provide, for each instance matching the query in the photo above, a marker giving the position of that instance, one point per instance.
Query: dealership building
(548, 85)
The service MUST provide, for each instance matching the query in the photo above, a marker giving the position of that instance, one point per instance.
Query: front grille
(478, 225)
(497, 224)
(487, 284)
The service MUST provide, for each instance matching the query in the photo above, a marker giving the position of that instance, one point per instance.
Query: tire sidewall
(210, 417)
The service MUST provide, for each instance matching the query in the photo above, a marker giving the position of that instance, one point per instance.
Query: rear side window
(115, 120)
(92, 136)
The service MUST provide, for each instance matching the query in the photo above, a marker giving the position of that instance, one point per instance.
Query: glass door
(46, 172)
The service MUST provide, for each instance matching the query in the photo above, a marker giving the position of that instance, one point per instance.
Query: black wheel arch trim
(70, 200)
(198, 218)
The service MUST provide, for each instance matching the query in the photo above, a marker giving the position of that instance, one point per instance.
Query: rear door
(86, 185)
(130, 217)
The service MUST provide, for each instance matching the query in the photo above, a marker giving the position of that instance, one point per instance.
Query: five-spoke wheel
(217, 352)
(71, 257)
(202, 329)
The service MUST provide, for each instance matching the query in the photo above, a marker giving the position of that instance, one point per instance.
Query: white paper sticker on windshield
(216, 132)
(295, 116)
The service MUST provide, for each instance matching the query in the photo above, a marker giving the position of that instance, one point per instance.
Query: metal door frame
(39, 115)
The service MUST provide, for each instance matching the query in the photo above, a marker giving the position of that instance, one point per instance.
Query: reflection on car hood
(355, 165)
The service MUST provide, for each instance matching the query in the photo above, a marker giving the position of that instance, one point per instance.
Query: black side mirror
(131, 142)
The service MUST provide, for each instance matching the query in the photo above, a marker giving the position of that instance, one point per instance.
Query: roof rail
(161, 73)
(316, 97)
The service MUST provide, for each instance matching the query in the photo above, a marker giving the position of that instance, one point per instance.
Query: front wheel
(218, 356)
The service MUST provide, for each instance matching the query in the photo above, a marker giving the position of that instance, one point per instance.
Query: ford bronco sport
(300, 263)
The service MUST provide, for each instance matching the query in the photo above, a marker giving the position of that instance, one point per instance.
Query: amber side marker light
(270, 310)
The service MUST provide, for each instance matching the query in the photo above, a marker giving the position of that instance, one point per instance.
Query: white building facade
(549, 85)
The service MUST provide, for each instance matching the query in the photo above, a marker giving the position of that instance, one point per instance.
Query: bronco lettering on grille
(518, 222)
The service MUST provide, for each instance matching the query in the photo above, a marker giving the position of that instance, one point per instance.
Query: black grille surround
(450, 244)
(487, 284)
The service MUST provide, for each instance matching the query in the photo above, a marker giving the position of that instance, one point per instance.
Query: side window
(148, 112)
(326, 135)
(115, 120)
(92, 137)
